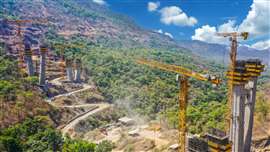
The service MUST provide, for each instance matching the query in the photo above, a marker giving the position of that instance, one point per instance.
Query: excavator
(183, 91)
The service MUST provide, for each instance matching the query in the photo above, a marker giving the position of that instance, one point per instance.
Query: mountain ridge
(98, 24)
(220, 53)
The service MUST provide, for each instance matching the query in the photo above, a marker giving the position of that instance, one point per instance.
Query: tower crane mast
(233, 57)
(183, 91)
(233, 120)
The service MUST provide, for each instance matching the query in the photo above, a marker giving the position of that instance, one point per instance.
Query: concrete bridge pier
(42, 73)
(78, 69)
(69, 70)
(249, 113)
(255, 67)
(244, 96)
(28, 60)
(237, 127)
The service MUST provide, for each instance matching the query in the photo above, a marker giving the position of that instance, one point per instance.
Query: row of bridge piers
(72, 68)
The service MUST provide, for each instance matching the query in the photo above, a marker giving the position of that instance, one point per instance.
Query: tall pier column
(254, 67)
(42, 72)
(237, 127)
(28, 60)
(69, 69)
(78, 67)
(244, 78)
(238, 77)
(249, 113)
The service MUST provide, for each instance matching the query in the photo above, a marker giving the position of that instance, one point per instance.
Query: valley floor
(120, 134)
(148, 136)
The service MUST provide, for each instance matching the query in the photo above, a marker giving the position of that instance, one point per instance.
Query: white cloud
(169, 35)
(160, 31)
(100, 2)
(208, 34)
(153, 6)
(261, 45)
(256, 23)
(258, 18)
(228, 27)
(175, 16)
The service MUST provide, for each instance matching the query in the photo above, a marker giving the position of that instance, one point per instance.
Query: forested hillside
(93, 22)
(151, 92)
(27, 122)
(110, 44)
(38, 135)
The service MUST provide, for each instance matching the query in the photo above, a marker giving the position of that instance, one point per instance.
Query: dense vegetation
(146, 91)
(19, 97)
(263, 102)
(151, 92)
(38, 135)
(143, 90)
(21, 102)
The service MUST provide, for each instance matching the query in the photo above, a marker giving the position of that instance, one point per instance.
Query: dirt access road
(85, 87)
(72, 124)
(57, 82)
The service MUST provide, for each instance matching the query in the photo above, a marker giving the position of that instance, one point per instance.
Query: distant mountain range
(70, 19)
(220, 53)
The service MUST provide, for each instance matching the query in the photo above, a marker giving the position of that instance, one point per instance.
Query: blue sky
(200, 19)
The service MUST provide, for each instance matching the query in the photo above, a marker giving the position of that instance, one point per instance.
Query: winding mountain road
(57, 82)
(85, 87)
(72, 124)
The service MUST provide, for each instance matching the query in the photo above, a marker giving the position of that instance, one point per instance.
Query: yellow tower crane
(183, 91)
(233, 56)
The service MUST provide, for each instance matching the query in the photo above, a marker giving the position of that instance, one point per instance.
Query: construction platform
(213, 141)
